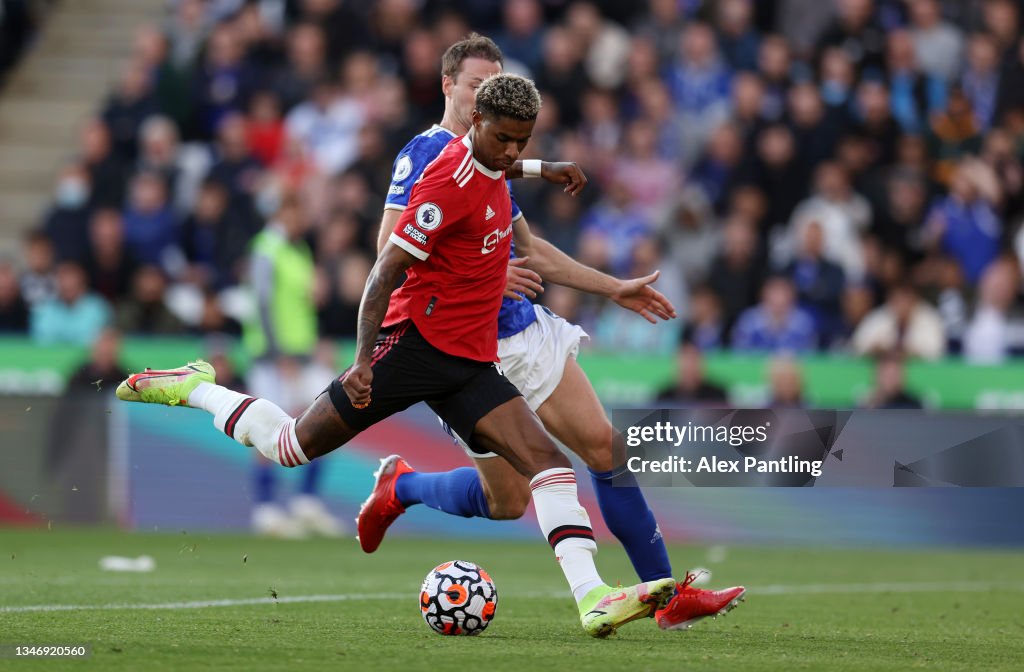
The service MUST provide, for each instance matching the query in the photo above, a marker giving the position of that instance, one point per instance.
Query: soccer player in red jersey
(537, 350)
(439, 346)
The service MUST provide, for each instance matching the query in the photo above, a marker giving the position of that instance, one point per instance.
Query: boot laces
(690, 578)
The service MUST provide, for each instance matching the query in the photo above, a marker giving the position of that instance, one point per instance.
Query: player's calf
(506, 490)
(254, 422)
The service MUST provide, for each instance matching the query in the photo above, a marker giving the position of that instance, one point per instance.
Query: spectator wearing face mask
(67, 222)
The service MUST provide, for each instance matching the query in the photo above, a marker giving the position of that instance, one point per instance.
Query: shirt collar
(493, 174)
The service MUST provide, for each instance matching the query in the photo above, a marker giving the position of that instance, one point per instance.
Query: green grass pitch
(807, 609)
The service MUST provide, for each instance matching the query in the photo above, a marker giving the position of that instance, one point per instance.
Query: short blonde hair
(508, 95)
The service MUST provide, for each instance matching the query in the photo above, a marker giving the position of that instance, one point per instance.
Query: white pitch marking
(798, 589)
(203, 604)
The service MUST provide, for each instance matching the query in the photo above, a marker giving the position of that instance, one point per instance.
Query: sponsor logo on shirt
(428, 216)
(415, 234)
(490, 213)
(492, 239)
(403, 167)
(396, 190)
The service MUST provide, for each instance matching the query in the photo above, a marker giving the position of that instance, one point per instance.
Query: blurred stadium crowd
(807, 174)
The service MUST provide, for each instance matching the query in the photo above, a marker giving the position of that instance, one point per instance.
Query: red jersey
(459, 225)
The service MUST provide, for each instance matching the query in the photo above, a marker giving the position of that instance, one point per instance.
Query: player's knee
(548, 456)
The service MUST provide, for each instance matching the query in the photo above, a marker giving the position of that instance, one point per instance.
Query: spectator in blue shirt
(612, 229)
(700, 83)
(964, 224)
(74, 316)
(776, 324)
(819, 283)
(705, 327)
(150, 227)
(980, 80)
(737, 39)
(522, 37)
(912, 94)
(223, 82)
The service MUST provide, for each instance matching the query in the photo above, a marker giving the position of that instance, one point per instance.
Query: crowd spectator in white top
(905, 323)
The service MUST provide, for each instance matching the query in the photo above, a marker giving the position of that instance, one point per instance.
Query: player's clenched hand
(564, 172)
(521, 279)
(357, 384)
(638, 295)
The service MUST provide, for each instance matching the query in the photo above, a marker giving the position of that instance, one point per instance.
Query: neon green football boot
(170, 387)
(605, 609)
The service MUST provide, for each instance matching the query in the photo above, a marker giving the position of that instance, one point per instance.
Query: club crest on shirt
(403, 167)
(428, 216)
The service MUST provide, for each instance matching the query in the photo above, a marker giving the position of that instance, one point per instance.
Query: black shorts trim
(407, 369)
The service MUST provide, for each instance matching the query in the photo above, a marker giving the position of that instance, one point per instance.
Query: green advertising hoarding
(830, 381)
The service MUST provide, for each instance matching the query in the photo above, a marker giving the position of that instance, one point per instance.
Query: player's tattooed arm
(391, 264)
(556, 172)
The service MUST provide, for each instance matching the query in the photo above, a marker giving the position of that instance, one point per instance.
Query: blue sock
(627, 515)
(311, 477)
(457, 492)
(263, 482)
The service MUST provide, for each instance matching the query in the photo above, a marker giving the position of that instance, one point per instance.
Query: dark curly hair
(508, 95)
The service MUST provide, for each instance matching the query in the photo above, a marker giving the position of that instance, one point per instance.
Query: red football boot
(382, 507)
(690, 604)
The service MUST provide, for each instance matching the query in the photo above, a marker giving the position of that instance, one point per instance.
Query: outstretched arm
(635, 294)
(521, 280)
(556, 172)
(391, 264)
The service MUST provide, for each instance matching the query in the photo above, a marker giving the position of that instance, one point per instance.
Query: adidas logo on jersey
(490, 213)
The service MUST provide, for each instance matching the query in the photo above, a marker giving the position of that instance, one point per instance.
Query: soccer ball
(458, 598)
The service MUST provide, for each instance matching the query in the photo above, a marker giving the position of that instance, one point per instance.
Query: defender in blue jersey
(538, 355)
